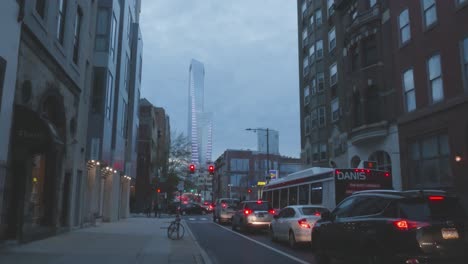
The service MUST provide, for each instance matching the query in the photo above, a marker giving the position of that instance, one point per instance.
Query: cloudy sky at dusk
(249, 49)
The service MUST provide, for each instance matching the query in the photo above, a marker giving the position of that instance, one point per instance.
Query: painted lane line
(192, 219)
(266, 246)
(203, 219)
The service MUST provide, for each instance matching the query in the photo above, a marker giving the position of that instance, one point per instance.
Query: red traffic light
(211, 168)
(249, 190)
(192, 168)
(159, 190)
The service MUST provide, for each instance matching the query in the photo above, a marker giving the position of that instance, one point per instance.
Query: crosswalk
(199, 219)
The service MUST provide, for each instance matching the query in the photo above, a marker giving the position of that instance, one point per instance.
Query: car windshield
(312, 210)
(424, 209)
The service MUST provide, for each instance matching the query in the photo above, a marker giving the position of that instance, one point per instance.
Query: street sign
(180, 186)
(273, 174)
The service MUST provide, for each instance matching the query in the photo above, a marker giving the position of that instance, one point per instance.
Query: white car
(294, 223)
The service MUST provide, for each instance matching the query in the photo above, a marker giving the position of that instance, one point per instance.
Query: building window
(370, 51)
(127, 72)
(323, 151)
(102, 27)
(3, 64)
(314, 86)
(307, 125)
(321, 116)
(304, 34)
(465, 62)
(330, 7)
(41, 7)
(109, 93)
(430, 12)
(77, 32)
(312, 53)
(409, 92)
(335, 110)
(382, 159)
(129, 26)
(429, 162)
(306, 95)
(312, 21)
(113, 36)
(315, 152)
(62, 7)
(404, 25)
(313, 119)
(372, 3)
(320, 81)
(303, 8)
(435, 78)
(124, 119)
(319, 49)
(305, 65)
(331, 39)
(318, 17)
(333, 74)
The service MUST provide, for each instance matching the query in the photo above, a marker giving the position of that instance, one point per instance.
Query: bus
(323, 186)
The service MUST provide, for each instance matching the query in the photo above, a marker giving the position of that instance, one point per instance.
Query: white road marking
(203, 219)
(192, 219)
(266, 246)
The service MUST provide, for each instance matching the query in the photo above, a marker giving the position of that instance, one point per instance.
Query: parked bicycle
(176, 230)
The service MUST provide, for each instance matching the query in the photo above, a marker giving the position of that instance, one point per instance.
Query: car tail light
(211, 207)
(317, 214)
(271, 211)
(303, 223)
(224, 205)
(247, 211)
(259, 202)
(405, 225)
(436, 198)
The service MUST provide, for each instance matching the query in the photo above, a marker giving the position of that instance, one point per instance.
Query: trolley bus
(323, 186)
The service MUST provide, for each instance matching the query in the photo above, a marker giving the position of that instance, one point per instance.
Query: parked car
(252, 215)
(224, 209)
(294, 223)
(192, 208)
(394, 227)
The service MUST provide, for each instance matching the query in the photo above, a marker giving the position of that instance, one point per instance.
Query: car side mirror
(327, 216)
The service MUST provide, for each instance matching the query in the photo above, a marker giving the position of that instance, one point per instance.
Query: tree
(179, 159)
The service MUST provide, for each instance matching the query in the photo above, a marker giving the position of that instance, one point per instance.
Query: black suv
(380, 226)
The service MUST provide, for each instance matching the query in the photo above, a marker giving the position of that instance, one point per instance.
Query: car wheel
(292, 239)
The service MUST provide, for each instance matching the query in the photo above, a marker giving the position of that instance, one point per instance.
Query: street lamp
(268, 146)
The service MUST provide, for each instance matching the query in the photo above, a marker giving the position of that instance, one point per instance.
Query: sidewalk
(133, 240)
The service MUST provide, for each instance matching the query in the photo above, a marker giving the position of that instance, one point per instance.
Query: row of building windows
(41, 7)
(434, 78)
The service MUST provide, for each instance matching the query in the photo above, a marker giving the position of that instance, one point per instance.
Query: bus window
(292, 196)
(304, 194)
(316, 193)
(276, 199)
(284, 198)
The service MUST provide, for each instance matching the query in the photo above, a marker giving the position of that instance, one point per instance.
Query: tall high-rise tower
(199, 122)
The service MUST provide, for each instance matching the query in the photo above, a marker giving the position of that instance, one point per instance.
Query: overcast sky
(249, 49)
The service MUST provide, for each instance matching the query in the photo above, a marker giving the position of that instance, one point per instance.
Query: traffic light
(211, 169)
(249, 190)
(370, 165)
(159, 190)
(192, 168)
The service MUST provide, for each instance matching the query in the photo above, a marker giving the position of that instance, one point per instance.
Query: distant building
(200, 127)
(272, 139)
(238, 171)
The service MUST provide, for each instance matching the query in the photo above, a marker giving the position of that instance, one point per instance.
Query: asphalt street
(226, 246)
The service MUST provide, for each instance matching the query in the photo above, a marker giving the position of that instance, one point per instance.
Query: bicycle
(176, 230)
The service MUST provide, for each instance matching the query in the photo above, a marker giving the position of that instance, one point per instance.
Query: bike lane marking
(266, 246)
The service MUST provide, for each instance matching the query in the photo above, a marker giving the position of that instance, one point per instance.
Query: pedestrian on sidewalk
(156, 210)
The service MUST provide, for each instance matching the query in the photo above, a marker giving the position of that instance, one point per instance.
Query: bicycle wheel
(180, 231)
(170, 230)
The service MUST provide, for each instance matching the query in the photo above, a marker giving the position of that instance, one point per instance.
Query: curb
(204, 256)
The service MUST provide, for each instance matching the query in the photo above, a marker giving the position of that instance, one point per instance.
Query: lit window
(404, 24)
(319, 49)
(408, 90)
(306, 94)
(318, 17)
(333, 74)
(335, 107)
(435, 78)
(430, 12)
(331, 39)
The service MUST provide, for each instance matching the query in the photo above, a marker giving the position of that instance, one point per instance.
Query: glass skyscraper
(199, 121)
